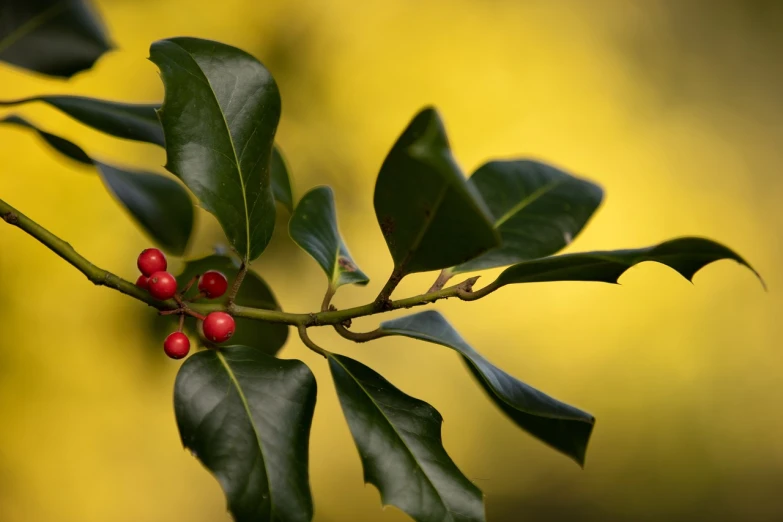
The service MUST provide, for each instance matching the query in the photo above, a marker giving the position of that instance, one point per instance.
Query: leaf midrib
(399, 436)
(246, 406)
(425, 227)
(530, 199)
(32, 24)
(233, 149)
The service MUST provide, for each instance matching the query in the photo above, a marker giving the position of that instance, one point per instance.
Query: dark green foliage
(398, 438)
(313, 227)
(563, 427)
(54, 37)
(246, 416)
(281, 180)
(160, 205)
(429, 215)
(133, 121)
(686, 255)
(537, 209)
(219, 119)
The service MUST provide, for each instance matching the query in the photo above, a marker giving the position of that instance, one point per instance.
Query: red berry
(143, 282)
(213, 284)
(176, 345)
(162, 285)
(150, 261)
(218, 327)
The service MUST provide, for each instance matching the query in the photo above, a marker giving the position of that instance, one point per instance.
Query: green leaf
(686, 255)
(537, 209)
(281, 182)
(161, 206)
(54, 37)
(565, 428)
(131, 121)
(246, 416)
(430, 217)
(139, 122)
(254, 292)
(313, 227)
(219, 118)
(399, 442)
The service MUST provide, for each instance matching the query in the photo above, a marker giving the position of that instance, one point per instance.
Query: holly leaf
(313, 226)
(139, 122)
(132, 121)
(159, 205)
(219, 118)
(563, 427)
(686, 255)
(537, 209)
(254, 293)
(247, 416)
(281, 181)
(430, 217)
(399, 441)
(54, 37)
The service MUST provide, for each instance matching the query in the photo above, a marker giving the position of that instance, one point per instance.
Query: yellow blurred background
(673, 106)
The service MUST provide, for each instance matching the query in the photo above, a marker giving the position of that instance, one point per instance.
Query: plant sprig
(247, 414)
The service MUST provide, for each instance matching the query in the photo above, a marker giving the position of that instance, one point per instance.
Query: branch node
(441, 281)
(11, 218)
(467, 285)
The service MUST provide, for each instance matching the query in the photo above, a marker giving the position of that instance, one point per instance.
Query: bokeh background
(673, 106)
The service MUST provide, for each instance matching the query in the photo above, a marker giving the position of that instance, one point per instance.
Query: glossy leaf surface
(160, 205)
(219, 118)
(139, 122)
(538, 210)
(399, 441)
(565, 428)
(313, 227)
(54, 37)
(246, 416)
(133, 121)
(254, 292)
(686, 255)
(429, 216)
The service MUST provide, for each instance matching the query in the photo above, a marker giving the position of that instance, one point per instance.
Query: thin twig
(441, 281)
(330, 291)
(384, 297)
(232, 295)
(101, 277)
(309, 342)
(359, 337)
(190, 284)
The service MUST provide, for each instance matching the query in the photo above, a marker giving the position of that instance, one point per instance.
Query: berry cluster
(218, 327)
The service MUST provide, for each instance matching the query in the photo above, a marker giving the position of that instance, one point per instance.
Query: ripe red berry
(218, 327)
(162, 285)
(143, 282)
(150, 261)
(176, 345)
(213, 284)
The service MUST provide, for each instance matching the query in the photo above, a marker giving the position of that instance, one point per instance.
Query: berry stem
(237, 283)
(195, 314)
(189, 285)
(200, 295)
